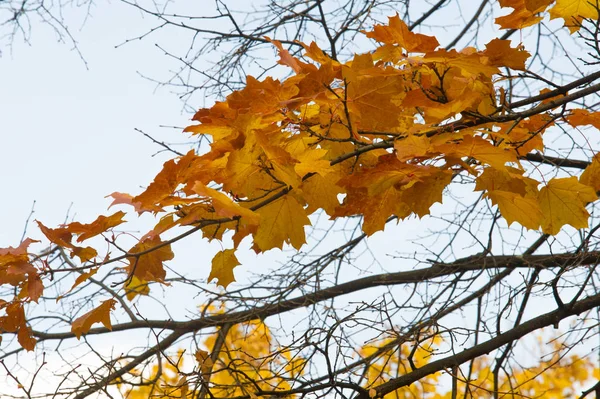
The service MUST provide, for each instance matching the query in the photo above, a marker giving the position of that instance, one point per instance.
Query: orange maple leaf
(101, 314)
(149, 266)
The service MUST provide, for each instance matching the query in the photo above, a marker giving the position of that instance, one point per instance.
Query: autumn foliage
(381, 135)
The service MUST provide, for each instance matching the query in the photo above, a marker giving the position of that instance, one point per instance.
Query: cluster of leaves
(248, 360)
(245, 366)
(384, 133)
(557, 376)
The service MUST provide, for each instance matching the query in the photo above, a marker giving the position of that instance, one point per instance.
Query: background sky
(67, 127)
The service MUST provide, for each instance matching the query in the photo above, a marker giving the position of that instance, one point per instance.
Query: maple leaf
(98, 226)
(135, 287)
(262, 97)
(82, 278)
(516, 208)
(526, 136)
(499, 53)
(246, 171)
(321, 193)
(282, 221)
(62, 237)
(582, 117)
(280, 160)
(101, 314)
(223, 264)
(224, 206)
(480, 149)
(397, 33)
(149, 266)
(32, 288)
(591, 174)
(506, 179)
(16, 269)
(14, 321)
(163, 186)
(523, 14)
(413, 146)
(563, 201)
(573, 11)
(204, 361)
(373, 95)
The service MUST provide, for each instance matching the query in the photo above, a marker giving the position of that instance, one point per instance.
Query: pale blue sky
(68, 132)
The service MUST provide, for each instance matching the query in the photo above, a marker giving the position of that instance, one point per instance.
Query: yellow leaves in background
(558, 376)
(248, 359)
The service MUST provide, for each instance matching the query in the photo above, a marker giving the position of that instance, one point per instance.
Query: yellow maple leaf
(321, 193)
(480, 149)
(506, 179)
(282, 221)
(224, 206)
(515, 208)
(563, 202)
(591, 174)
(573, 11)
(222, 267)
(135, 287)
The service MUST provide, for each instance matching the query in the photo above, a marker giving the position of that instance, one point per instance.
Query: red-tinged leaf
(163, 186)
(35, 287)
(524, 13)
(59, 236)
(285, 58)
(101, 314)
(126, 199)
(14, 321)
(16, 269)
(223, 264)
(16, 255)
(98, 226)
(149, 266)
(25, 338)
